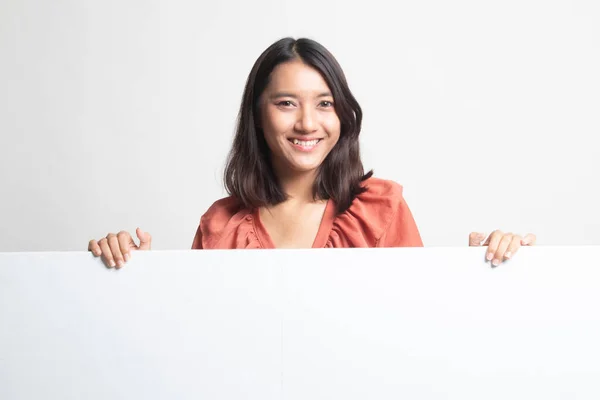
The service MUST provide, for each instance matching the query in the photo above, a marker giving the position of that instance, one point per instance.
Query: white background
(118, 114)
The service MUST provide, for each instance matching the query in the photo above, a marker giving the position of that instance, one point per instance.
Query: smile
(304, 145)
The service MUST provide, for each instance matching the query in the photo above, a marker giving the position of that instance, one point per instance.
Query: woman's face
(298, 118)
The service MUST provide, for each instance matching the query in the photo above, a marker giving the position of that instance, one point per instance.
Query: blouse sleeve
(197, 243)
(402, 230)
(225, 225)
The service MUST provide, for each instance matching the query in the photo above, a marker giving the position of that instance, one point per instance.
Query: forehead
(297, 77)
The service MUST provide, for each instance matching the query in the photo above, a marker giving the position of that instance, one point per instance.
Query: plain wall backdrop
(118, 114)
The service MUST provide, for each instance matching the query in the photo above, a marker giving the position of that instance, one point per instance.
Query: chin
(303, 168)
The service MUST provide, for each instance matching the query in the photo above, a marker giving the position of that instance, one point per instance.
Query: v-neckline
(322, 233)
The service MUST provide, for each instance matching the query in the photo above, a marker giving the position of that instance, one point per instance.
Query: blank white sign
(417, 323)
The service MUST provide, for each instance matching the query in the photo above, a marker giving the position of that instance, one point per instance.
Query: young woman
(294, 173)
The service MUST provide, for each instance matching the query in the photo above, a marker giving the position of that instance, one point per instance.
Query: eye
(326, 104)
(285, 103)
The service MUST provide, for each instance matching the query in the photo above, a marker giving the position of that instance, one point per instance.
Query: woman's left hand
(501, 246)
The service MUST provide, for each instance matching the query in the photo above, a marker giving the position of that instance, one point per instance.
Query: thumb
(476, 239)
(145, 239)
(529, 240)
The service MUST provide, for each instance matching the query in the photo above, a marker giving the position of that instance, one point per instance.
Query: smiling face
(298, 118)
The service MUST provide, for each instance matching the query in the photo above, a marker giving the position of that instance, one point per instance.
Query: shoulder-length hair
(249, 175)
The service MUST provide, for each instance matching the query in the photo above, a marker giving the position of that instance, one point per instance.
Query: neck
(298, 186)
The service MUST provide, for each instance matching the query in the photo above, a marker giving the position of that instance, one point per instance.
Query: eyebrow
(287, 94)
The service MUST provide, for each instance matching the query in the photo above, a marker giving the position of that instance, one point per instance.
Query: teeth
(304, 143)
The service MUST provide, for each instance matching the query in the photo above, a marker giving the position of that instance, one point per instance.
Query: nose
(307, 120)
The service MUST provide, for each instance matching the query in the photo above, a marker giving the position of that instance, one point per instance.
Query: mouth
(304, 145)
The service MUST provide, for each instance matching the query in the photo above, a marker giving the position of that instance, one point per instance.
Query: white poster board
(417, 323)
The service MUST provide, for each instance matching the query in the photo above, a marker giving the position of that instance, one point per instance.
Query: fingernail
(495, 263)
(489, 256)
(508, 254)
(126, 257)
(112, 263)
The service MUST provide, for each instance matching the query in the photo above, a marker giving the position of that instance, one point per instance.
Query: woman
(294, 173)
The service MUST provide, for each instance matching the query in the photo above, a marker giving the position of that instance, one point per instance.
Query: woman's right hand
(115, 248)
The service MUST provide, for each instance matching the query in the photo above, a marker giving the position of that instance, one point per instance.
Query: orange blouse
(379, 217)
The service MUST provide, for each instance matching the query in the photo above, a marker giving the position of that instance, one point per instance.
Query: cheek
(275, 122)
(333, 126)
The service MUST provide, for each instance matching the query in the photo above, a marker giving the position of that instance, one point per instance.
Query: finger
(94, 248)
(145, 239)
(513, 247)
(476, 238)
(493, 242)
(501, 250)
(113, 242)
(106, 253)
(125, 243)
(529, 240)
